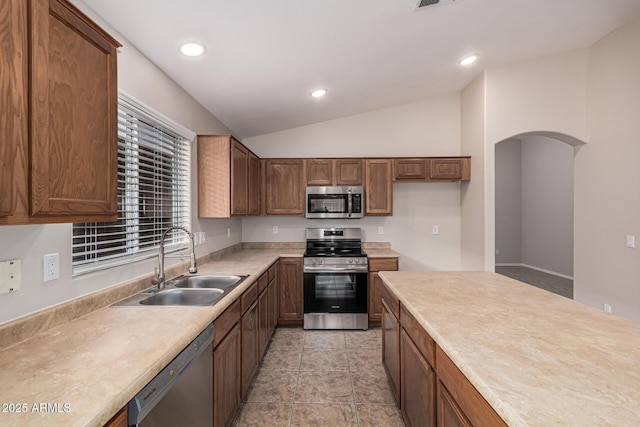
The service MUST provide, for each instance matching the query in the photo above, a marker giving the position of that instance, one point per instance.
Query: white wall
(143, 80)
(509, 202)
(426, 128)
(607, 178)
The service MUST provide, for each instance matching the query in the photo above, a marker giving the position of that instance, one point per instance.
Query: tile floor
(321, 378)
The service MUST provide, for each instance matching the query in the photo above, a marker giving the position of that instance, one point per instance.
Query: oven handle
(310, 269)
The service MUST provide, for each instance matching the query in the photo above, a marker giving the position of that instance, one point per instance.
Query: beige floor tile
(364, 339)
(371, 387)
(324, 387)
(264, 415)
(324, 339)
(282, 359)
(316, 359)
(273, 386)
(366, 359)
(315, 415)
(292, 337)
(379, 416)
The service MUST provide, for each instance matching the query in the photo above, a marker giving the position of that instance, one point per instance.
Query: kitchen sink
(187, 290)
(225, 282)
(184, 297)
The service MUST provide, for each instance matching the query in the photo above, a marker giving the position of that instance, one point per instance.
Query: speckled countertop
(87, 369)
(538, 358)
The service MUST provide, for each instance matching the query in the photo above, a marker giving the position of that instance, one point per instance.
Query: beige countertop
(539, 359)
(381, 253)
(89, 368)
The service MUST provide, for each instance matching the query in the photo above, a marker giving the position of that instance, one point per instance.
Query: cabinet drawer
(249, 296)
(263, 281)
(272, 273)
(391, 300)
(419, 336)
(383, 264)
(224, 323)
(410, 169)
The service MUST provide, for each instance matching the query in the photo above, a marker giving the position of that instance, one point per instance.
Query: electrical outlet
(381, 230)
(497, 251)
(275, 229)
(10, 276)
(51, 267)
(228, 232)
(436, 230)
(203, 237)
(607, 308)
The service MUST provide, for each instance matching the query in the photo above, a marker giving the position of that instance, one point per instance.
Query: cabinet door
(263, 322)
(418, 386)
(273, 307)
(73, 115)
(375, 297)
(449, 413)
(226, 378)
(290, 289)
(348, 172)
(285, 187)
(410, 169)
(319, 171)
(255, 179)
(13, 102)
(249, 331)
(239, 179)
(378, 197)
(391, 349)
(119, 419)
(446, 169)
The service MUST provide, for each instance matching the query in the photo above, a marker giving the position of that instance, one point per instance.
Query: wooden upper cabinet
(348, 172)
(319, 171)
(13, 103)
(453, 169)
(239, 179)
(378, 187)
(255, 184)
(73, 114)
(285, 190)
(228, 178)
(410, 169)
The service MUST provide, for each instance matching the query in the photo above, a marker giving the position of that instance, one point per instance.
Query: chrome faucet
(159, 279)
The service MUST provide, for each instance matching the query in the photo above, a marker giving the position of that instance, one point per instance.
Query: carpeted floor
(546, 281)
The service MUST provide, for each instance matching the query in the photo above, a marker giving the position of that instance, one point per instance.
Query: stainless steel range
(335, 279)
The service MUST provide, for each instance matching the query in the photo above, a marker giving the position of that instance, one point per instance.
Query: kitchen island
(536, 358)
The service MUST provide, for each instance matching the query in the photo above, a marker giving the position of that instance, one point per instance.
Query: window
(153, 192)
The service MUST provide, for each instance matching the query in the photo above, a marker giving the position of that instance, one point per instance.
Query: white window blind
(153, 192)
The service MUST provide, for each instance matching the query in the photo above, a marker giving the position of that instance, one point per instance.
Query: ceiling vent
(422, 4)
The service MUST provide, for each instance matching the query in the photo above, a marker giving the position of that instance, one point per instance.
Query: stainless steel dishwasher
(182, 393)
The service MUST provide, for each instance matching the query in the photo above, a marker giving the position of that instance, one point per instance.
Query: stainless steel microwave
(335, 202)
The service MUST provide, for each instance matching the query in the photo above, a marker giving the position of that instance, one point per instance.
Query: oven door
(335, 292)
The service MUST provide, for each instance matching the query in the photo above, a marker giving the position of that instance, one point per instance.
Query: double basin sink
(187, 290)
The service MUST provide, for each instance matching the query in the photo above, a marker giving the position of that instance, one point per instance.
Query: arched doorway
(534, 210)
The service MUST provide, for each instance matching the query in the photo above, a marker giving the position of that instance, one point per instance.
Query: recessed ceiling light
(469, 59)
(318, 93)
(192, 48)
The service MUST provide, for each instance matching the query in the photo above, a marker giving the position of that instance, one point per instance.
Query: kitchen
(582, 82)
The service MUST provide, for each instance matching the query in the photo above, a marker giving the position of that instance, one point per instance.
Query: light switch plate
(10, 276)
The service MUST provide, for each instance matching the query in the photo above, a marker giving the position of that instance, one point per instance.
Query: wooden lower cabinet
(449, 413)
(227, 378)
(391, 349)
(249, 333)
(418, 384)
(375, 286)
(119, 419)
(290, 284)
(263, 322)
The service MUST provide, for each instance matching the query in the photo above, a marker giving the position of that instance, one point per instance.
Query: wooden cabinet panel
(285, 190)
(375, 285)
(272, 290)
(73, 114)
(378, 187)
(410, 169)
(239, 179)
(418, 385)
(457, 169)
(119, 419)
(13, 104)
(319, 171)
(420, 338)
(290, 284)
(449, 413)
(249, 296)
(227, 378)
(263, 322)
(249, 333)
(348, 172)
(391, 349)
(255, 184)
(224, 323)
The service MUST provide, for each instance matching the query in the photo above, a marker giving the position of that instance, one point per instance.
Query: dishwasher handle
(147, 398)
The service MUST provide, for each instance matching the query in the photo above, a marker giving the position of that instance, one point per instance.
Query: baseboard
(555, 273)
